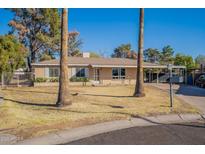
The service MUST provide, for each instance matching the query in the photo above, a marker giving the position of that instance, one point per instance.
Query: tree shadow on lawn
(30, 104)
(112, 106)
(6, 129)
(165, 106)
(54, 105)
(109, 96)
(112, 112)
(30, 91)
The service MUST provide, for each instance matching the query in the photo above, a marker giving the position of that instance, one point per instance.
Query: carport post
(185, 75)
(193, 76)
(149, 75)
(158, 71)
(157, 77)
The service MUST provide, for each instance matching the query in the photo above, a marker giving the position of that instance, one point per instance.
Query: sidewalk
(69, 135)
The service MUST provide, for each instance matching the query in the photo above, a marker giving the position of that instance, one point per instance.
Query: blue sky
(104, 29)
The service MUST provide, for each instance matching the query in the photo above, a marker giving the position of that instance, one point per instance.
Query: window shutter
(46, 72)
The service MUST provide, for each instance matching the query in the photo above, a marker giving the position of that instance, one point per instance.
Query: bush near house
(40, 79)
(53, 79)
(73, 79)
(79, 79)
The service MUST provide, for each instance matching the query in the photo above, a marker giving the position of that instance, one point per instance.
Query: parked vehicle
(200, 81)
(175, 78)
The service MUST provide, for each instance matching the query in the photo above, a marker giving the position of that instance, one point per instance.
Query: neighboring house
(104, 71)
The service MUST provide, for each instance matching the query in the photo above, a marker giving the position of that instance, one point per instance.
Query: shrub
(54, 80)
(79, 79)
(40, 79)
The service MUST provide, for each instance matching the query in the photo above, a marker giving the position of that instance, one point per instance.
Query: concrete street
(186, 133)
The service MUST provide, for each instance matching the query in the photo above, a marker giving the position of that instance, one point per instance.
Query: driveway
(190, 94)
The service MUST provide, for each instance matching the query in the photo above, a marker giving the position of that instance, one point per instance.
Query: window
(80, 72)
(118, 73)
(53, 72)
(96, 74)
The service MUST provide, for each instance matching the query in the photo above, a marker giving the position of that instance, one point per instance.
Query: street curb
(74, 134)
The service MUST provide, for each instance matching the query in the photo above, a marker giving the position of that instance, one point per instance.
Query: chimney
(86, 55)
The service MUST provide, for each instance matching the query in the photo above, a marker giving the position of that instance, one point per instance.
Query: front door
(96, 74)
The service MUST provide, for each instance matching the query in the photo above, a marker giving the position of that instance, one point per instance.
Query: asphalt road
(175, 134)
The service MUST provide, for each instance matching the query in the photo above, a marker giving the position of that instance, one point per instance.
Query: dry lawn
(30, 111)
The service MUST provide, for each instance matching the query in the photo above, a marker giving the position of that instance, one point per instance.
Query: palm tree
(139, 87)
(63, 92)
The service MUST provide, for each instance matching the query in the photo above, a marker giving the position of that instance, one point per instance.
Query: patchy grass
(30, 111)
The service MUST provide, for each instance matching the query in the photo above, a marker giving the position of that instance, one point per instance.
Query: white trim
(59, 64)
(78, 65)
(96, 76)
(164, 66)
(108, 66)
(130, 66)
(46, 72)
(114, 66)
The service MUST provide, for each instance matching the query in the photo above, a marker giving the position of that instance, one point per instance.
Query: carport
(160, 74)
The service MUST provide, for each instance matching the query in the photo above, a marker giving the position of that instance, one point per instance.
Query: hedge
(41, 79)
(79, 79)
(73, 79)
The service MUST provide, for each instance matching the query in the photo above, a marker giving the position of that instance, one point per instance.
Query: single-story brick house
(104, 71)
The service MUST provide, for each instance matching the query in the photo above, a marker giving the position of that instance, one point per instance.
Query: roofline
(108, 66)
(131, 66)
(36, 64)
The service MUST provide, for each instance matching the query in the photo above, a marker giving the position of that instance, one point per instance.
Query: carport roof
(101, 62)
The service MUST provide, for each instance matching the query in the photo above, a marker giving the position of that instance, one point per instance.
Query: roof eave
(110, 66)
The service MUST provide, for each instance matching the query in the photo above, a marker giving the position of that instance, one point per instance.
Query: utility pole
(169, 66)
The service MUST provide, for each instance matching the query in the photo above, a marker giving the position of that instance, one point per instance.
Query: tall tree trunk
(63, 92)
(32, 58)
(139, 87)
(29, 64)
